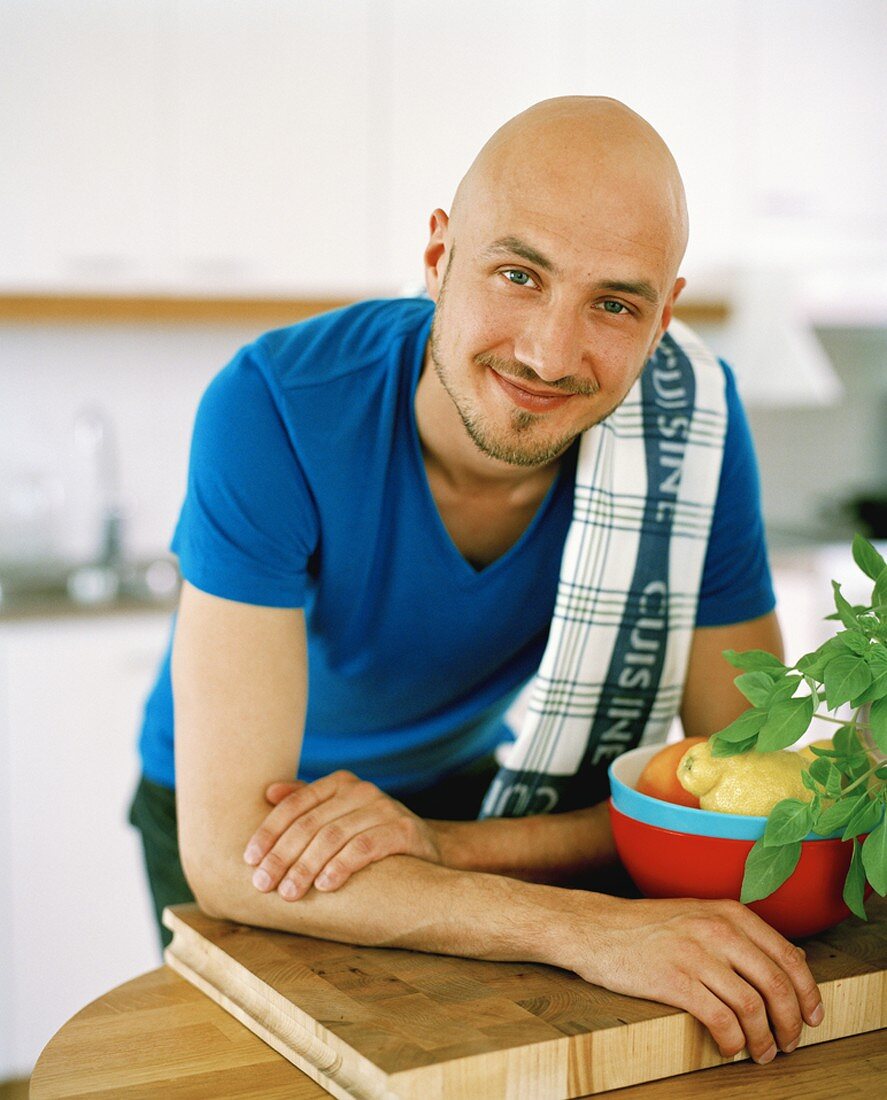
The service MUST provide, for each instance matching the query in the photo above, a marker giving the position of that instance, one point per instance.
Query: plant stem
(843, 721)
(861, 779)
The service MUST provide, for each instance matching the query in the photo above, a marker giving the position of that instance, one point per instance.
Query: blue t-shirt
(307, 488)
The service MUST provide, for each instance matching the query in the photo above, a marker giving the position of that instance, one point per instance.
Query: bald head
(590, 158)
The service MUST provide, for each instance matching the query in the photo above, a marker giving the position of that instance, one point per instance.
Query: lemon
(751, 783)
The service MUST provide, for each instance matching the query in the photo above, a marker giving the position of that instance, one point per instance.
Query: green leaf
(864, 818)
(833, 786)
(845, 677)
(743, 727)
(784, 689)
(854, 885)
(767, 868)
(879, 593)
(786, 722)
(881, 773)
(846, 740)
(876, 655)
(827, 754)
(876, 659)
(753, 660)
(877, 689)
(874, 858)
(788, 821)
(755, 686)
(731, 748)
(867, 557)
(845, 610)
(878, 722)
(813, 664)
(852, 765)
(809, 782)
(855, 641)
(837, 815)
(820, 770)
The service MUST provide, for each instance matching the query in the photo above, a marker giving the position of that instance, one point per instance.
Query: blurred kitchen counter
(58, 605)
(70, 590)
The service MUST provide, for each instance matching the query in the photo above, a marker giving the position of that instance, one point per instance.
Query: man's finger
(360, 852)
(293, 806)
(359, 833)
(789, 960)
(748, 1005)
(328, 824)
(276, 792)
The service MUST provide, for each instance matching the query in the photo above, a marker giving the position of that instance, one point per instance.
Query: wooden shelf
(55, 309)
(158, 309)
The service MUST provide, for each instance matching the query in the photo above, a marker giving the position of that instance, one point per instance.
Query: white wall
(148, 379)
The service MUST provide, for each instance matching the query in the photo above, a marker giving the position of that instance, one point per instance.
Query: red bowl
(666, 864)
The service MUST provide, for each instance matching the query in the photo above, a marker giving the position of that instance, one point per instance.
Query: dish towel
(613, 670)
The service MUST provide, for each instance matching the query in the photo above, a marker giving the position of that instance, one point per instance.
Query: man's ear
(667, 313)
(669, 306)
(436, 253)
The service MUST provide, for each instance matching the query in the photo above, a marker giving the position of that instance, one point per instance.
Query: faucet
(94, 435)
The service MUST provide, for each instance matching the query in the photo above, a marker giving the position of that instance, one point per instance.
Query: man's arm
(711, 700)
(338, 825)
(564, 847)
(240, 684)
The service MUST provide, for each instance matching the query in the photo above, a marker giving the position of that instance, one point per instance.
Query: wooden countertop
(158, 1036)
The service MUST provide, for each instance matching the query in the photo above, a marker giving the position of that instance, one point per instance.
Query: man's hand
(716, 960)
(321, 833)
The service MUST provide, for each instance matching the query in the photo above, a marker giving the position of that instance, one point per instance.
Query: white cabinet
(75, 911)
(271, 127)
(681, 67)
(187, 145)
(818, 152)
(451, 75)
(281, 147)
(82, 139)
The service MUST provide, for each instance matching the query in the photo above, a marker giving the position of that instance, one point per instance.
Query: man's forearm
(553, 848)
(410, 903)
(696, 955)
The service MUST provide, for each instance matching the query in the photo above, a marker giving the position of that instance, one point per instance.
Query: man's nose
(550, 343)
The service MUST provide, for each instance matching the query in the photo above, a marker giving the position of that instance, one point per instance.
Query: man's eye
(612, 306)
(517, 277)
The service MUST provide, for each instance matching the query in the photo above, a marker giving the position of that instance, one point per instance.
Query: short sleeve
(736, 582)
(248, 526)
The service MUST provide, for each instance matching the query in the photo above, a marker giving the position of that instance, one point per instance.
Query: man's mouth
(533, 400)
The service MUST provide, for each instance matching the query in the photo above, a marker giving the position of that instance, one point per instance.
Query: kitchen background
(171, 169)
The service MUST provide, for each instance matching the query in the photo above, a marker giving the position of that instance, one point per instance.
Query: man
(389, 490)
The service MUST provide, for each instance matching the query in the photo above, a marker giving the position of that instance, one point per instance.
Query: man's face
(546, 315)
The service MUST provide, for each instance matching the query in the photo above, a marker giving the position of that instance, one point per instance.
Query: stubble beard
(511, 445)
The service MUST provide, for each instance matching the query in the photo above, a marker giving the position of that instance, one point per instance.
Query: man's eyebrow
(517, 247)
(514, 246)
(641, 289)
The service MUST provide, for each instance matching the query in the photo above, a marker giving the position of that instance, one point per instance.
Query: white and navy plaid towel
(613, 671)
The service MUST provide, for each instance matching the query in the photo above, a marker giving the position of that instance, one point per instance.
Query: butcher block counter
(387, 1024)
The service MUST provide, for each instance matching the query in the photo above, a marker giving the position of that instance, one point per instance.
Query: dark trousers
(153, 813)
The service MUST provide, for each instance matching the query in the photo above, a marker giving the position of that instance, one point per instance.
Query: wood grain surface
(158, 1036)
(376, 1023)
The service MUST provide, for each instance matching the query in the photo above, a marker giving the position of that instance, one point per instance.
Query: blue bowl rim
(685, 819)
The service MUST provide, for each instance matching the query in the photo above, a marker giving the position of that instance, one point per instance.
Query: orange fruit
(659, 779)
